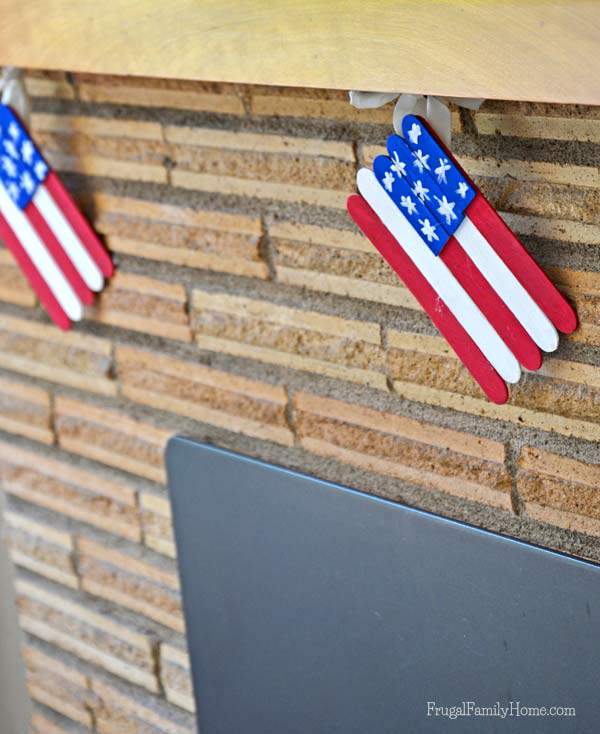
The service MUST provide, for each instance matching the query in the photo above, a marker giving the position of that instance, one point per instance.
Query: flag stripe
(39, 285)
(80, 225)
(56, 251)
(40, 256)
(522, 265)
(64, 233)
(440, 278)
(493, 308)
(465, 348)
(518, 300)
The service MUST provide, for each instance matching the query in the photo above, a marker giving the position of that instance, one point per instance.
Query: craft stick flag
(480, 287)
(55, 246)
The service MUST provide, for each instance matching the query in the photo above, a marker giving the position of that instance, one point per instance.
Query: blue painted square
(445, 208)
(431, 158)
(408, 197)
(22, 168)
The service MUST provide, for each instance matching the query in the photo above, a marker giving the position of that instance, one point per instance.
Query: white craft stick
(440, 278)
(40, 257)
(66, 236)
(492, 267)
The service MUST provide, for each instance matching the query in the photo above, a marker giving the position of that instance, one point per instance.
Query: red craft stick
(32, 274)
(521, 264)
(60, 256)
(512, 251)
(464, 346)
(79, 223)
(491, 305)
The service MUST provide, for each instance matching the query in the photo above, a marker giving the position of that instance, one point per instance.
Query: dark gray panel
(315, 609)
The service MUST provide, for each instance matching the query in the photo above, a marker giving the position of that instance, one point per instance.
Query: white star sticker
(11, 149)
(408, 204)
(420, 160)
(398, 166)
(9, 166)
(388, 180)
(13, 190)
(462, 189)
(428, 230)
(27, 151)
(27, 182)
(40, 170)
(440, 171)
(419, 190)
(446, 208)
(13, 130)
(414, 133)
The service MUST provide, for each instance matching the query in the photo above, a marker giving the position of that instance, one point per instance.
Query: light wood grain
(519, 49)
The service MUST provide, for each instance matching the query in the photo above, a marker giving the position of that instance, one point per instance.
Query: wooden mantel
(546, 50)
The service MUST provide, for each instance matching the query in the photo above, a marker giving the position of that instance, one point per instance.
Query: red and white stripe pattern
(56, 248)
(481, 288)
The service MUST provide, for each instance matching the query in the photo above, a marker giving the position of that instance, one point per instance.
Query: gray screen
(316, 609)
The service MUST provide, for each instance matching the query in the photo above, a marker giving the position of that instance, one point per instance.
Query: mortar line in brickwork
(513, 450)
(289, 415)
(265, 247)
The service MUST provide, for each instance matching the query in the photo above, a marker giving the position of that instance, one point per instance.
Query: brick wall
(249, 313)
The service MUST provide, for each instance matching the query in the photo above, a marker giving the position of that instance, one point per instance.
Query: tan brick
(120, 713)
(428, 361)
(82, 495)
(144, 304)
(587, 176)
(539, 198)
(41, 548)
(58, 685)
(562, 396)
(111, 437)
(368, 153)
(161, 93)
(194, 238)
(25, 410)
(258, 142)
(91, 165)
(93, 637)
(14, 287)
(205, 394)
(130, 582)
(157, 523)
(537, 126)
(43, 351)
(303, 165)
(559, 490)
(176, 677)
(304, 340)
(229, 185)
(559, 229)
(104, 127)
(46, 722)
(284, 103)
(460, 464)
(45, 84)
(521, 416)
(320, 103)
(575, 281)
(335, 261)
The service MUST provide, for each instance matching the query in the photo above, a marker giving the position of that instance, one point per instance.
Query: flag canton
(22, 168)
(437, 163)
(409, 197)
(445, 207)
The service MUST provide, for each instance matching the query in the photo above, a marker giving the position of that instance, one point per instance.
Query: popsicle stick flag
(52, 242)
(481, 288)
